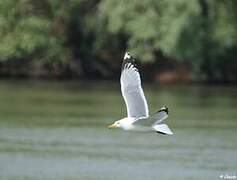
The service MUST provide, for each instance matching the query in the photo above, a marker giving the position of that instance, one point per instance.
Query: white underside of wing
(132, 92)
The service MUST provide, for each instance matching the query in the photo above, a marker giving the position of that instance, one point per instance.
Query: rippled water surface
(57, 130)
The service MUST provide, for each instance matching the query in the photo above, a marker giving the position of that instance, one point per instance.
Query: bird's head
(124, 123)
(116, 124)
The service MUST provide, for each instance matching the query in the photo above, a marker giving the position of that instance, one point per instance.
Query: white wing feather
(132, 90)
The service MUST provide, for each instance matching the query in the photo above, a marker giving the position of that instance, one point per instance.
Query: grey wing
(156, 118)
(131, 89)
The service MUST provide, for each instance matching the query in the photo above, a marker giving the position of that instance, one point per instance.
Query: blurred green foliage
(82, 36)
(29, 30)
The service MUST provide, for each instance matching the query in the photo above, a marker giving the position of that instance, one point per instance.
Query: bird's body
(138, 118)
(127, 123)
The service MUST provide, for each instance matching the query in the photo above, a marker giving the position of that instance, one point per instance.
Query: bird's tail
(162, 129)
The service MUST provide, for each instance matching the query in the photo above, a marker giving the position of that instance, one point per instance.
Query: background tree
(202, 32)
(88, 37)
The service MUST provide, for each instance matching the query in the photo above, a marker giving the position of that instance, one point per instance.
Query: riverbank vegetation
(174, 40)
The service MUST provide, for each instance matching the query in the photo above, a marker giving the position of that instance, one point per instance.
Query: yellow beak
(112, 126)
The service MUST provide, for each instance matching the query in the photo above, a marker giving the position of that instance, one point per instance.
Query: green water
(57, 130)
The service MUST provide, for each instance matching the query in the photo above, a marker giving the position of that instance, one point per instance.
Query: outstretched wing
(154, 119)
(131, 88)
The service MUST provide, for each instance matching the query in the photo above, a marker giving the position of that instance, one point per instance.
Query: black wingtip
(128, 59)
(165, 109)
(127, 56)
(161, 133)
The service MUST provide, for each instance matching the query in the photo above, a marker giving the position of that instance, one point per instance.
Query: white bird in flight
(138, 118)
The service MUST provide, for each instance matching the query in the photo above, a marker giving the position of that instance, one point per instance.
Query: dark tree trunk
(206, 59)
